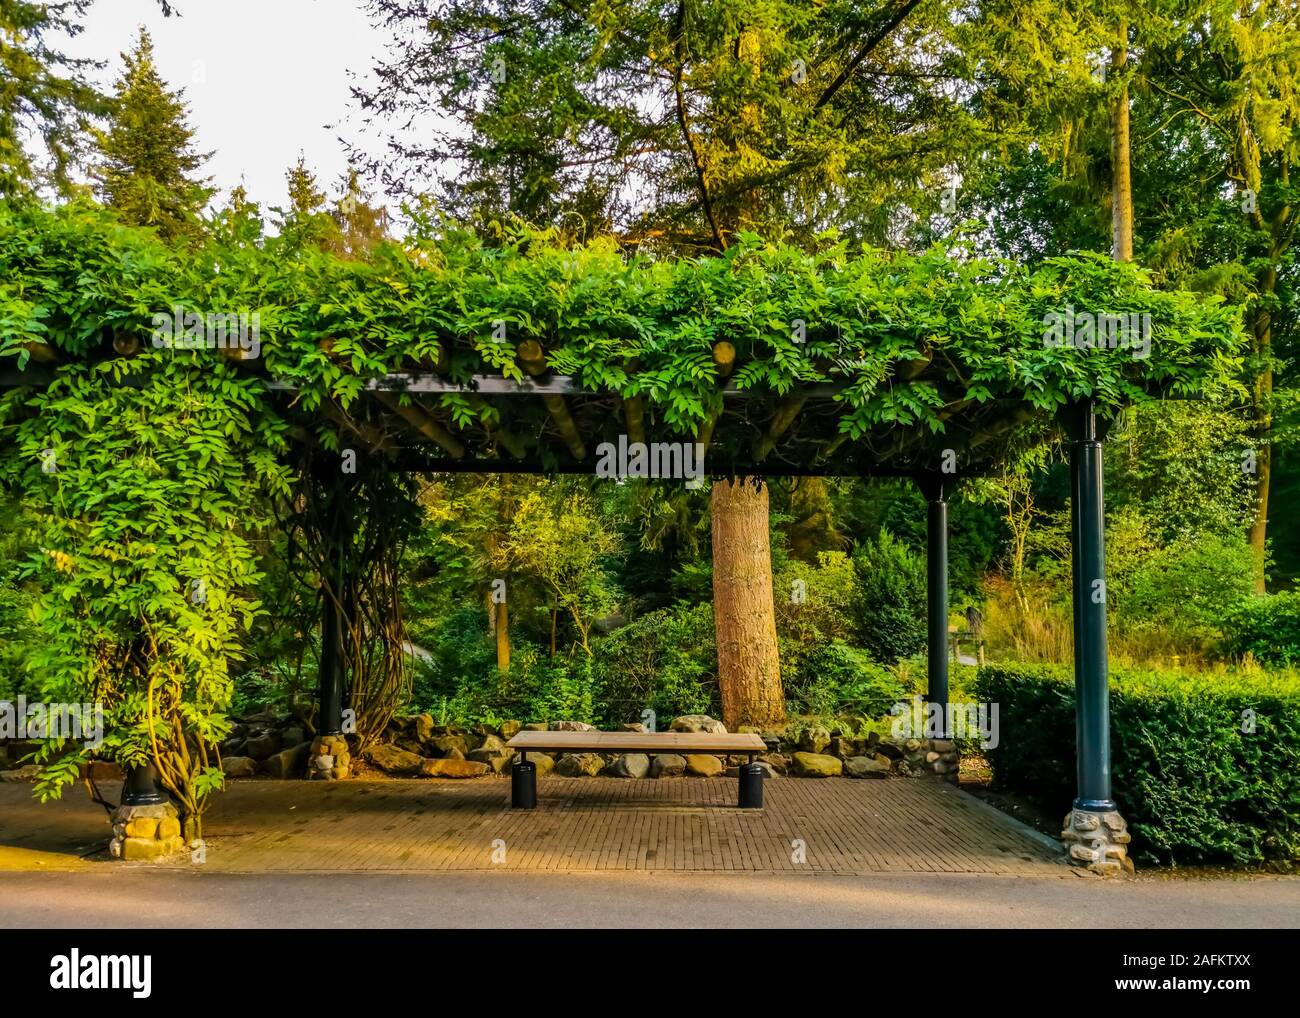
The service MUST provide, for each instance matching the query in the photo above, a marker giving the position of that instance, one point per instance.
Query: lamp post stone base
(329, 759)
(1097, 842)
(146, 833)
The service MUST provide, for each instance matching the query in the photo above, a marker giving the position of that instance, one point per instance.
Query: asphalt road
(194, 899)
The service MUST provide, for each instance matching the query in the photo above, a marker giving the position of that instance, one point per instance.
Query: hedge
(1194, 787)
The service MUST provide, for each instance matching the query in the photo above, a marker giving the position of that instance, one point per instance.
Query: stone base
(146, 833)
(924, 758)
(329, 759)
(1097, 842)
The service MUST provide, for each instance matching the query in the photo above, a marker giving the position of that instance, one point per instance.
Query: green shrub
(1193, 786)
(1266, 627)
(890, 600)
(664, 661)
(838, 679)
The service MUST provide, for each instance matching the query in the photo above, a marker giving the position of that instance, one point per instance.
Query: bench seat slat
(637, 742)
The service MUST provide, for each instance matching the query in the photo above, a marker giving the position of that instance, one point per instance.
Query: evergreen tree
(149, 163)
(360, 225)
(43, 92)
(305, 221)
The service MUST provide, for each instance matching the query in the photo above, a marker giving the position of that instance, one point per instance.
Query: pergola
(770, 361)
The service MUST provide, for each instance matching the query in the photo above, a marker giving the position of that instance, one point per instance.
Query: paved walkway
(830, 826)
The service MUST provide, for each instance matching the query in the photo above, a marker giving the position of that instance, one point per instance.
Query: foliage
(839, 679)
(148, 162)
(891, 598)
(1267, 628)
(1203, 765)
(665, 661)
(145, 476)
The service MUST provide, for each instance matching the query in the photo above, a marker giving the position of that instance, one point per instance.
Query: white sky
(263, 79)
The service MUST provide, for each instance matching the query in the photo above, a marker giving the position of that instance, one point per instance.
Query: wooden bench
(523, 788)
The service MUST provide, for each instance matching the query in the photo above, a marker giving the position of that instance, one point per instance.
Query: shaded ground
(105, 897)
(826, 826)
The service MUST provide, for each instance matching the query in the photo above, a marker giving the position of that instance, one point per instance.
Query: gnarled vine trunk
(749, 665)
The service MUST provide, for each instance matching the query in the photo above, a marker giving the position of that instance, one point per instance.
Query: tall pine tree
(149, 164)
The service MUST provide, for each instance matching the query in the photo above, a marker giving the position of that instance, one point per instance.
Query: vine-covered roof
(449, 352)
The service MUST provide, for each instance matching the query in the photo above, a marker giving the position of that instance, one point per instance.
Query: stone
(768, 773)
(698, 723)
(142, 849)
(453, 768)
(261, 745)
(776, 762)
(931, 757)
(509, 729)
(636, 726)
(292, 736)
(1097, 842)
(239, 766)
(943, 745)
(168, 828)
(703, 766)
(579, 765)
(537, 726)
(817, 765)
(455, 754)
(912, 745)
(329, 745)
(393, 760)
(844, 747)
(142, 827)
(493, 752)
(287, 763)
(668, 765)
(27, 772)
(890, 749)
(814, 740)
(541, 761)
(491, 744)
(446, 744)
(572, 726)
(424, 728)
(631, 765)
(868, 766)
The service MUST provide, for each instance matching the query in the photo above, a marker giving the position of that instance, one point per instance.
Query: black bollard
(751, 786)
(523, 785)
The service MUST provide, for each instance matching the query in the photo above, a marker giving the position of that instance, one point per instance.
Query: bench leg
(751, 786)
(523, 785)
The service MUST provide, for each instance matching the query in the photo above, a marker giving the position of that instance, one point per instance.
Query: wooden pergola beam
(532, 358)
(422, 421)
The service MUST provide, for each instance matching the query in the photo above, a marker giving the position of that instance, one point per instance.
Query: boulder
(424, 728)
(509, 729)
(27, 772)
(668, 765)
(261, 744)
(703, 766)
(292, 736)
(844, 747)
(288, 763)
(814, 740)
(453, 768)
(698, 723)
(395, 761)
(493, 752)
(636, 726)
(572, 726)
(768, 773)
(630, 765)
(817, 765)
(890, 749)
(537, 726)
(877, 766)
(234, 746)
(238, 766)
(491, 744)
(579, 765)
(775, 761)
(447, 743)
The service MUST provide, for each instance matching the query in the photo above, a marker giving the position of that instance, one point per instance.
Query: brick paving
(581, 824)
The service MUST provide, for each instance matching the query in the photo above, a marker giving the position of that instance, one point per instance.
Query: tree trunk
(1121, 197)
(749, 667)
(1262, 403)
(503, 637)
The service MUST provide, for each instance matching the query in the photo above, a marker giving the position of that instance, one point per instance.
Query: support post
(330, 757)
(1095, 834)
(936, 488)
(146, 827)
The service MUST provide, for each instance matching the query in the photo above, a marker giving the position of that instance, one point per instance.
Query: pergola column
(330, 757)
(1095, 834)
(146, 824)
(936, 488)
